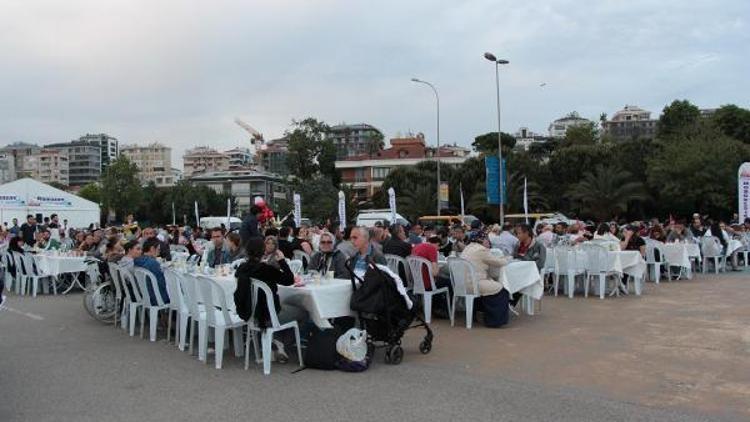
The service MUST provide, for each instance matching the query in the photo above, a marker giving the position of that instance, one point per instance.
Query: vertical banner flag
(444, 195)
(461, 189)
(392, 204)
(297, 210)
(197, 216)
(342, 211)
(495, 195)
(743, 186)
(174, 222)
(525, 201)
(229, 213)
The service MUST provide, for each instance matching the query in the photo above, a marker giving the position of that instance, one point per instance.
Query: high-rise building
(274, 155)
(239, 158)
(17, 151)
(48, 166)
(203, 160)
(84, 161)
(559, 127)
(108, 145)
(7, 168)
(245, 185)
(154, 163)
(357, 139)
(631, 122)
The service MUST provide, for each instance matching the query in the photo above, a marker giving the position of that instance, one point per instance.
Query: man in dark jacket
(28, 230)
(397, 244)
(249, 227)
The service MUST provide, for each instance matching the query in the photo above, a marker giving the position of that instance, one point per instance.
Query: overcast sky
(178, 72)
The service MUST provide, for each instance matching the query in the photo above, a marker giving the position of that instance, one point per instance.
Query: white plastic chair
(133, 297)
(416, 264)
(115, 277)
(395, 263)
(237, 263)
(195, 308)
(259, 288)
(567, 265)
(179, 248)
(144, 278)
(712, 250)
(652, 263)
(8, 262)
(295, 265)
(302, 256)
(217, 316)
(597, 266)
(177, 306)
(463, 274)
(31, 276)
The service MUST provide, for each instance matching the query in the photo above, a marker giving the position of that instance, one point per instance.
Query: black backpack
(321, 344)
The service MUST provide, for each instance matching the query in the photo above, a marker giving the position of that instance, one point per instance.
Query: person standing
(15, 229)
(249, 227)
(28, 230)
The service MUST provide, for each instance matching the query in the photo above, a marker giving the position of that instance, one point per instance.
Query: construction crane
(256, 138)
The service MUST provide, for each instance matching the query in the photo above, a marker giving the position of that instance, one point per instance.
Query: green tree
(306, 143)
(92, 192)
(184, 195)
(487, 143)
(734, 122)
(58, 185)
(374, 143)
(319, 198)
(605, 192)
(676, 118)
(121, 191)
(697, 172)
(583, 134)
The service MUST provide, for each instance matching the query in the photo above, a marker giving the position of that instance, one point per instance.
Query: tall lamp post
(491, 57)
(437, 152)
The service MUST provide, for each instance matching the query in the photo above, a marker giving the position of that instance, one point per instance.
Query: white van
(368, 218)
(208, 223)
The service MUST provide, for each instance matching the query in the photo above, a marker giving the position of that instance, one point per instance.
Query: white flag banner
(463, 211)
(197, 216)
(743, 186)
(392, 204)
(525, 201)
(342, 210)
(174, 221)
(229, 213)
(297, 210)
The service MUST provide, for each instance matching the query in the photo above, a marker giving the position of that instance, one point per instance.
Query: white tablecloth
(676, 254)
(56, 265)
(630, 263)
(329, 299)
(524, 277)
(734, 245)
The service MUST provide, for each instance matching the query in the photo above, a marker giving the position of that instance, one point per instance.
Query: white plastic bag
(353, 345)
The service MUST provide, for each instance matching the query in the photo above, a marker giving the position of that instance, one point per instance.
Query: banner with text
(495, 195)
(743, 186)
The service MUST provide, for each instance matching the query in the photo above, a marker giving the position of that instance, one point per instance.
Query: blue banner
(493, 182)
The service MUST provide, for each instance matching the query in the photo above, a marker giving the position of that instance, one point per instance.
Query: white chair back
(144, 278)
(191, 292)
(260, 287)
(115, 277)
(416, 265)
(179, 248)
(395, 263)
(295, 265)
(130, 286)
(711, 246)
(463, 275)
(301, 256)
(236, 264)
(597, 258)
(214, 300)
(193, 259)
(176, 296)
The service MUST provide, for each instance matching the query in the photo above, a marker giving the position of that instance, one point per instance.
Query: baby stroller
(383, 312)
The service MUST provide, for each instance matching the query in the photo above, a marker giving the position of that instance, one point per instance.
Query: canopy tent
(28, 196)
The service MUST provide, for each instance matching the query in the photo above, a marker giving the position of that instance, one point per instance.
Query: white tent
(28, 196)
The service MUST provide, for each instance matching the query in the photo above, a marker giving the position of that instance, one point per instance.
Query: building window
(380, 173)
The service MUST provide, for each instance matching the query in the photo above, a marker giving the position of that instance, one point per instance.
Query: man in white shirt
(507, 242)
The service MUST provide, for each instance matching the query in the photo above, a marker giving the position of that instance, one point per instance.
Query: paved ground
(678, 353)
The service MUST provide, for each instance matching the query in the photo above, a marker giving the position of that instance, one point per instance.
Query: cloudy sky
(179, 71)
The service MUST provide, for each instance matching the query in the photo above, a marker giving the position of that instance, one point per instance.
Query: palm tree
(606, 192)
(416, 201)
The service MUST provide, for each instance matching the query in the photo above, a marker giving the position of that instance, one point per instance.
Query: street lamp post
(491, 57)
(437, 152)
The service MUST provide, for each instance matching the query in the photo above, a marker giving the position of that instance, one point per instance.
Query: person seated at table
(130, 228)
(505, 240)
(90, 246)
(696, 227)
(236, 252)
(273, 276)
(328, 259)
(360, 238)
(151, 251)
(429, 251)
(415, 234)
(286, 242)
(657, 233)
(114, 251)
(458, 238)
(632, 241)
(303, 240)
(397, 244)
(218, 252)
(678, 233)
(16, 245)
(150, 233)
(345, 245)
(547, 236)
(132, 251)
(603, 233)
(271, 244)
(494, 299)
(528, 248)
